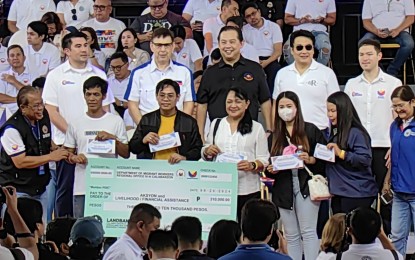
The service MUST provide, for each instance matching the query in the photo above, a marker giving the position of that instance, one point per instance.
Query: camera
(3, 196)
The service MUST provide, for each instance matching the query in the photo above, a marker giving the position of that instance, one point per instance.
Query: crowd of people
(208, 74)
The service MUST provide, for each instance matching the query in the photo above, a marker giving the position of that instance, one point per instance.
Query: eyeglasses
(160, 45)
(308, 47)
(400, 106)
(253, 14)
(100, 7)
(37, 106)
(168, 96)
(74, 17)
(154, 7)
(117, 68)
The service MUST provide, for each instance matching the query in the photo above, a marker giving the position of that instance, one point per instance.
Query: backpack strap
(17, 254)
(395, 255)
(339, 255)
(215, 129)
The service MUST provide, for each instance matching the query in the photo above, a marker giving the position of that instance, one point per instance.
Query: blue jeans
(78, 206)
(51, 191)
(322, 42)
(64, 189)
(42, 198)
(300, 224)
(403, 215)
(405, 40)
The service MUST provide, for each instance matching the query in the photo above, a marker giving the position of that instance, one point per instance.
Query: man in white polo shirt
(370, 93)
(118, 81)
(196, 12)
(12, 80)
(266, 37)
(389, 22)
(42, 56)
(313, 16)
(107, 28)
(310, 80)
(212, 26)
(186, 51)
(65, 103)
(22, 12)
(141, 88)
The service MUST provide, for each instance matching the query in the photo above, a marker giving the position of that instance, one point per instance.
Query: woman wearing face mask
(401, 177)
(238, 136)
(350, 177)
(128, 42)
(290, 191)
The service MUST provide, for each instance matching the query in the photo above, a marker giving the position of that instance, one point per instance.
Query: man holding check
(96, 133)
(167, 133)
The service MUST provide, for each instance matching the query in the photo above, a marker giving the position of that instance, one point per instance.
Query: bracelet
(24, 235)
(342, 154)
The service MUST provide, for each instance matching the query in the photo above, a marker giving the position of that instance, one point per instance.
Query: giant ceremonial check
(205, 190)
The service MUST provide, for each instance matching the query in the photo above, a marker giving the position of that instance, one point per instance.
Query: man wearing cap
(85, 241)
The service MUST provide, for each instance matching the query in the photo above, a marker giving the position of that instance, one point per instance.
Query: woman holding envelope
(238, 139)
(350, 177)
(290, 192)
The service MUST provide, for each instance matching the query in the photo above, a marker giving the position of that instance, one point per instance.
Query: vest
(27, 180)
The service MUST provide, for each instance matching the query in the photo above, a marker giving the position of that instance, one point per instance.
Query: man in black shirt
(233, 70)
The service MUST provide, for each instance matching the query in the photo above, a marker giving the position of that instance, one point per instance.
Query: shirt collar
(41, 51)
(153, 66)
(254, 247)
(67, 67)
(380, 77)
(219, 21)
(365, 247)
(313, 66)
(132, 244)
(12, 72)
(241, 61)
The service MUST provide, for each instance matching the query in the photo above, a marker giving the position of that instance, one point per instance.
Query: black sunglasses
(74, 17)
(308, 47)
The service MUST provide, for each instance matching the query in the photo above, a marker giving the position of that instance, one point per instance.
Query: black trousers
(271, 72)
(340, 204)
(242, 199)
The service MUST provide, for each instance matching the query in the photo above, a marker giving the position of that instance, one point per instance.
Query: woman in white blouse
(239, 139)
(127, 42)
(96, 56)
(74, 12)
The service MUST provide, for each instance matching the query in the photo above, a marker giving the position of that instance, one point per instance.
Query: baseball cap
(89, 228)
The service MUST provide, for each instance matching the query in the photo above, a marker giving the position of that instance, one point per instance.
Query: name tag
(230, 157)
(101, 147)
(286, 162)
(323, 153)
(166, 142)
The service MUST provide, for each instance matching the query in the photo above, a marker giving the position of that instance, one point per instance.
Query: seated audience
(54, 25)
(75, 12)
(224, 237)
(247, 51)
(128, 43)
(96, 56)
(186, 51)
(162, 244)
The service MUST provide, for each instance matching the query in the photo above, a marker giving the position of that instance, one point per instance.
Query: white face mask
(287, 114)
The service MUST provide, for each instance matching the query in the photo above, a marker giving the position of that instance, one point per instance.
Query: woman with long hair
(238, 136)
(128, 43)
(54, 25)
(333, 238)
(401, 175)
(290, 192)
(96, 56)
(224, 237)
(350, 177)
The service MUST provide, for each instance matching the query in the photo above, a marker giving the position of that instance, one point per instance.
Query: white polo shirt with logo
(201, 10)
(314, 8)
(373, 104)
(144, 79)
(387, 14)
(24, 12)
(312, 87)
(249, 52)
(117, 87)
(189, 54)
(264, 38)
(6, 88)
(213, 26)
(4, 63)
(64, 90)
(107, 33)
(84, 10)
(41, 62)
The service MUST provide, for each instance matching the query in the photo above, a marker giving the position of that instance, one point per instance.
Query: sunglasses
(308, 47)
(99, 7)
(74, 17)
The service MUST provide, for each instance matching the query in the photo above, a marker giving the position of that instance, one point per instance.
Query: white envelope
(230, 157)
(286, 162)
(323, 153)
(166, 142)
(101, 147)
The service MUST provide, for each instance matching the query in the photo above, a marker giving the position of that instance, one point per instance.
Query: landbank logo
(192, 175)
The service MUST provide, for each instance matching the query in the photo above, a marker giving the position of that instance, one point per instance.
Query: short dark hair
(257, 219)
(40, 28)
(143, 212)
(301, 33)
(188, 229)
(160, 240)
(197, 74)
(22, 95)
(162, 32)
(178, 31)
(215, 54)
(231, 28)
(31, 212)
(245, 124)
(227, 3)
(96, 82)
(168, 82)
(238, 20)
(119, 55)
(365, 224)
(67, 39)
(14, 46)
(39, 82)
(372, 42)
(249, 5)
(59, 230)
